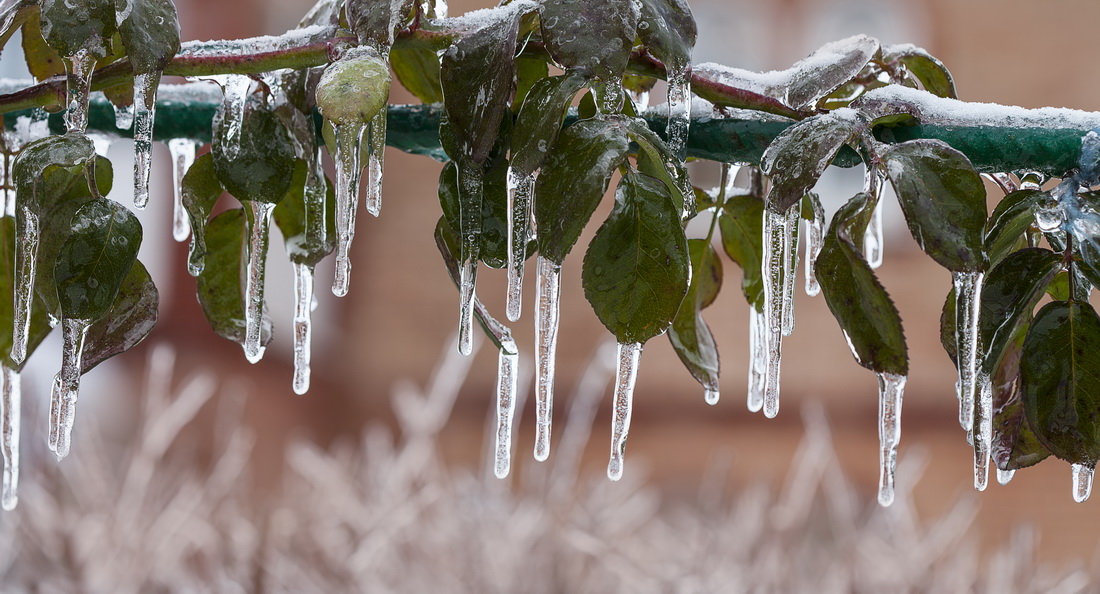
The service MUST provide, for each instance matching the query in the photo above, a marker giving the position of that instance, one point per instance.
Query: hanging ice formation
(236, 89)
(758, 358)
(679, 108)
(26, 258)
(507, 384)
(891, 389)
(183, 155)
(546, 341)
(258, 226)
(376, 144)
(815, 239)
(348, 169)
(1082, 482)
(304, 298)
(10, 400)
(1005, 476)
(66, 387)
(626, 372)
(520, 189)
(124, 116)
(968, 287)
(470, 192)
(78, 71)
(779, 255)
(145, 106)
(872, 237)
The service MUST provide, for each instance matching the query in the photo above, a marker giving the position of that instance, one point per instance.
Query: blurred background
(402, 308)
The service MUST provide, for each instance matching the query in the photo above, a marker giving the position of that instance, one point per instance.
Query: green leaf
(529, 70)
(42, 61)
(928, 69)
(947, 328)
(742, 225)
(540, 119)
(655, 159)
(799, 155)
(636, 269)
(478, 76)
(306, 241)
(1009, 221)
(262, 169)
(95, 258)
(668, 30)
(40, 326)
(573, 180)
(131, 318)
(221, 284)
(1014, 444)
(150, 31)
(1009, 294)
(690, 336)
(858, 301)
(593, 36)
(70, 151)
(943, 199)
(13, 15)
(200, 190)
(494, 209)
(1060, 380)
(376, 22)
(73, 26)
(417, 68)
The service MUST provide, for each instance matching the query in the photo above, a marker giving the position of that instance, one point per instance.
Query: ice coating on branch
(145, 105)
(968, 294)
(778, 237)
(1082, 482)
(507, 384)
(10, 400)
(235, 88)
(348, 169)
(259, 225)
(26, 258)
(679, 109)
(376, 138)
(303, 327)
(891, 389)
(626, 372)
(815, 239)
(1005, 476)
(183, 155)
(790, 253)
(758, 358)
(548, 292)
(67, 386)
(78, 80)
(519, 231)
(983, 441)
(255, 45)
(124, 116)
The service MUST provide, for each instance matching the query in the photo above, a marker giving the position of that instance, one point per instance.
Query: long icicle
(235, 89)
(790, 269)
(548, 293)
(983, 441)
(507, 385)
(259, 225)
(183, 156)
(891, 389)
(78, 79)
(26, 258)
(469, 204)
(968, 288)
(519, 227)
(303, 327)
(9, 427)
(376, 143)
(815, 239)
(758, 358)
(872, 236)
(1082, 482)
(74, 331)
(348, 169)
(776, 246)
(679, 108)
(145, 106)
(626, 372)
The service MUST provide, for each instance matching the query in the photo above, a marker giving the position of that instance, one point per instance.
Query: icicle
(968, 293)
(9, 427)
(1082, 482)
(145, 106)
(625, 374)
(348, 170)
(711, 396)
(891, 389)
(376, 134)
(235, 91)
(777, 242)
(183, 155)
(254, 278)
(469, 205)
(790, 253)
(679, 108)
(26, 258)
(78, 70)
(815, 238)
(519, 228)
(124, 116)
(758, 362)
(303, 302)
(640, 99)
(55, 412)
(548, 292)
(1005, 476)
(507, 384)
(610, 96)
(983, 440)
(68, 384)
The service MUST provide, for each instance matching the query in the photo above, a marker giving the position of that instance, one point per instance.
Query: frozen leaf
(1014, 444)
(540, 120)
(95, 258)
(293, 216)
(799, 155)
(689, 333)
(417, 69)
(493, 239)
(264, 164)
(42, 60)
(201, 189)
(221, 283)
(928, 69)
(742, 227)
(1011, 290)
(150, 30)
(70, 27)
(667, 29)
(376, 22)
(131, 318)
(1010, 220)
(593, 36)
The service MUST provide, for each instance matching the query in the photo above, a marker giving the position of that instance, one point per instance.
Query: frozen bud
(353, 89)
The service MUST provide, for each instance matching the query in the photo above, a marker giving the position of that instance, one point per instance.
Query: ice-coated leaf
(859, 303)
(13, 15)
(947, 328)
(377, 21)
(42, 60)
(417, 69)
(540, 119)
(264, 165)
(823, 71)
(1014, 444)
(494, 209)
(593, 36)
(291, 216)
(1060, 380)
(742, 225)
(150, 30)
(943, 199)
(446, 240)
(667, 28)
(636, 269)
(656, 159)
(221, 284)
(39, 326)
(95, 258)
(799, 155)
(1009, 221)
(200, 191)
(131, 318)
(73, 26)
(478, 76)
(530, 68)
(72, 151)
(1011, 290)
(690, 336)
(573, 179)
(928, 69)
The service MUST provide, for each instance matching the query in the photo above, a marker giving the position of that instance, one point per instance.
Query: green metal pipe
(415, 129)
